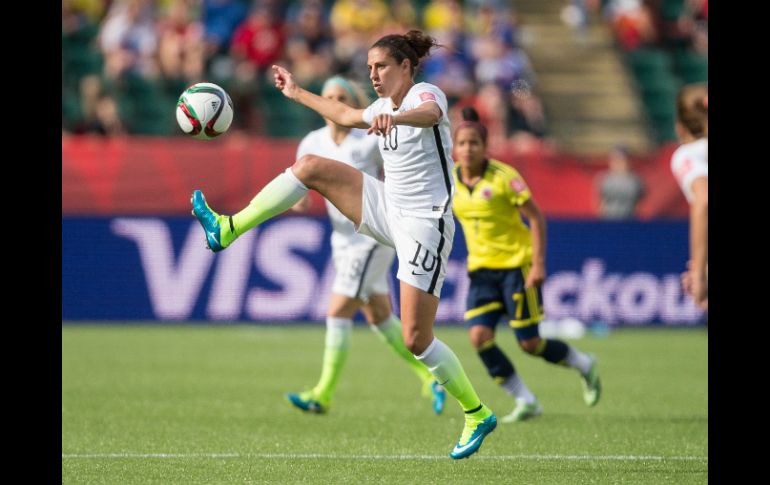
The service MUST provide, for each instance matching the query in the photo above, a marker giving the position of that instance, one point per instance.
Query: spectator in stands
(355, 23)
(99, 109)
(525, 120)
(632, 23)
(620, 189)
(451, 68)
(260, 40)
(311, 47)
(220, 18)
(443, 16)
(129, 41)
(180, 45)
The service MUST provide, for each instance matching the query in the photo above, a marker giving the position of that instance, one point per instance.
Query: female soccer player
(411, 211)
(506, 265)
(361, 263)
(690, 165)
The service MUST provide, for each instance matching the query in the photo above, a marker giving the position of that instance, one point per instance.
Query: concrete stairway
(588, 95)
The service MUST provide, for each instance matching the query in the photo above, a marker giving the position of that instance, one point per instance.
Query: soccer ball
(204, 111)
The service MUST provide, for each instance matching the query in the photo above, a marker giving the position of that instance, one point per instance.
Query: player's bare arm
(334, 110)
(423, 116)
(536, 275)
(699, 220)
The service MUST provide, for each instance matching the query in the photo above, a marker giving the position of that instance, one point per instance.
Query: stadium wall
(127, 268)
(155, 176)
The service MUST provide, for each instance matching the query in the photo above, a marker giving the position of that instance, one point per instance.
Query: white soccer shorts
(422, 244)
(362, 270)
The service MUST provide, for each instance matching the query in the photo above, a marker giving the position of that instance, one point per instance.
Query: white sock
(338, 332)
(578, 360)
(516, 388)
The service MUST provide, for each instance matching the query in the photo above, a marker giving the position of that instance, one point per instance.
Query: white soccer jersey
(417, 161)
(358, 150)
(690, 161)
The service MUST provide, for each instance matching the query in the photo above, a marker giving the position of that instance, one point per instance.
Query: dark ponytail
(414, 45)
(471, 120)
(692, 109)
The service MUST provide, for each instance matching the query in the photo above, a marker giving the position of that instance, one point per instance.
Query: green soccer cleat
(210, 220)
(592, 386)
(477, 426)
(307, 402)
(523, 412)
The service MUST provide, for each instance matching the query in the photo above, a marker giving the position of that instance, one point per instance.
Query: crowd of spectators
(119, 56)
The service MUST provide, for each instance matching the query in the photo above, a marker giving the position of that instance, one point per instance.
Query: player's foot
(209, 219)
(523, 411)
(439, 397)
(477, 426)
(306, 401)
(592, 386)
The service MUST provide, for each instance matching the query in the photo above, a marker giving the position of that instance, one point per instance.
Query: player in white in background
(360, 262)
(411, 211)
(690, 165)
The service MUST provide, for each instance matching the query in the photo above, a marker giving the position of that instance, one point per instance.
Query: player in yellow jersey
(506, 266)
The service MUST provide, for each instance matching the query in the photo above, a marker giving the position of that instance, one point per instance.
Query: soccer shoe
(477, 426)
(439, 397)
(523, 411)
(306, 402)
(208, 219)
(592, 387)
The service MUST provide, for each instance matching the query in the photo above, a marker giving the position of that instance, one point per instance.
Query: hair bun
(470, 114)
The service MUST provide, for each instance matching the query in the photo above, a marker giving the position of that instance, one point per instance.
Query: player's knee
(305, 168)
(378, 314)
(530, 346)
(480, 335)
(415, 342)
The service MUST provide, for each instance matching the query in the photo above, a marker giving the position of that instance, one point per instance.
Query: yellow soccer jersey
(496, 236)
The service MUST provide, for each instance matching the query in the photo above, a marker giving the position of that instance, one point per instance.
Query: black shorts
(494, 292)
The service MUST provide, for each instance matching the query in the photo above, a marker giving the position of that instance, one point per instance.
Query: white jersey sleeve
(689, 162)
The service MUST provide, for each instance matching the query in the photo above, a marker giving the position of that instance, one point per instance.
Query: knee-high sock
(560, 353)
(338, 333)
(445, 366)
(389, 331)
(276, 197)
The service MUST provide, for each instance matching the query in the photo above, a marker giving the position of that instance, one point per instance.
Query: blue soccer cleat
(439, 397)
(477, 427)
(208, 219)
(306, 402)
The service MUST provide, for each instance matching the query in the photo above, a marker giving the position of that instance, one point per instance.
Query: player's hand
(700, 290)
(536, 276)
(381, 125)
(696, 285)
(285, 82)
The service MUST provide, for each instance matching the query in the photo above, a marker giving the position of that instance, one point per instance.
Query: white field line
(323, 456)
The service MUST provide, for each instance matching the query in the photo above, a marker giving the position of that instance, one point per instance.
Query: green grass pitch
(194, 404)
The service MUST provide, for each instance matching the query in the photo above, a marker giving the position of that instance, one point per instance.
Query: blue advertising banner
(158, 268)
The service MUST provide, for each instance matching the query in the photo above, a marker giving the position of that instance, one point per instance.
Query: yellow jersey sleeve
(516, 189)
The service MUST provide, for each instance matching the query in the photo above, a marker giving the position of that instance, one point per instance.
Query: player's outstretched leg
(276, 197)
